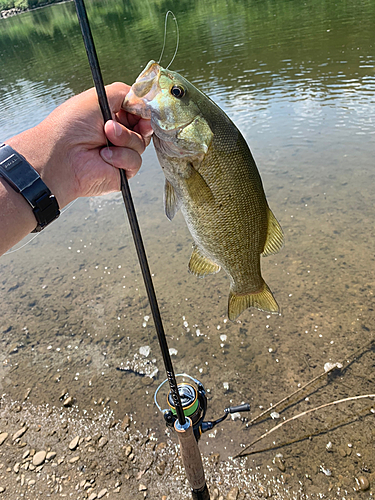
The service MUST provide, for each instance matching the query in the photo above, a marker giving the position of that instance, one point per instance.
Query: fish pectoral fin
(263, 300)
(201, 266)
(172, 203)
(275, 236)
(197, 188)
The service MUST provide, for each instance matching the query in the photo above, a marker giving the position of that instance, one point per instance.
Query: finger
(136, 123)
(126, 159)
(121, 136)
(116, 93)
(144, 128)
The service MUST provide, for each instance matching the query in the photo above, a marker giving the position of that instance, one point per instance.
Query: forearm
(16, 214)
(16, 217)
(68, 150)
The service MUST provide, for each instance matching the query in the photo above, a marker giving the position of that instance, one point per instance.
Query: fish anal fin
(263, 300)
(275, 237)
(172, 203)
(201, 266)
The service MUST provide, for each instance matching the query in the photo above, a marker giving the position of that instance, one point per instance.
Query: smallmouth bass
(212, 177)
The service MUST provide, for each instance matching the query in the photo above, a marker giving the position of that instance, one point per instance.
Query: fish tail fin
(263, 300)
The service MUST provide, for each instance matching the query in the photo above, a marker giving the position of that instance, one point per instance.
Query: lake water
(298, 79)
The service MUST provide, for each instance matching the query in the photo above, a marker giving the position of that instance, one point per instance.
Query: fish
(211, 176)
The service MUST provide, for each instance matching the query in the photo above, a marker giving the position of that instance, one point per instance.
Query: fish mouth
(143, 91)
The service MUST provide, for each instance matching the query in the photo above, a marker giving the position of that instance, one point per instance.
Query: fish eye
(177, 91)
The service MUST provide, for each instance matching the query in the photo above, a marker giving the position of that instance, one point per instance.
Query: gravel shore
(58, 452)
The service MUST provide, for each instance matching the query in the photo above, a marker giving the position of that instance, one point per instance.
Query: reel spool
(194, 404)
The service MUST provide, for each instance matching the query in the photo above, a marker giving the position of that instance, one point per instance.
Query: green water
(298, 79)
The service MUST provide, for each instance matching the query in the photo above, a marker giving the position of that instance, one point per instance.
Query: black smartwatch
(24, 179)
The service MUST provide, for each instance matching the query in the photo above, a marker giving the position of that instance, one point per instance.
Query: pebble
(142, 487)
(279, 462)
(102, 492)
(92, 496)
(233, 494)
(124, 424)
(74, 459)
(2, 489)
(39, 458)
(363, 483)
(102, 442)
(128, 450)
(68, 402)
(73, 443)
(214, 495)
(50, 455)
(27, 393)
(160, 468)
(3, 437)
(325, 471)
(19, 433)
(215, 457)
(145, 350)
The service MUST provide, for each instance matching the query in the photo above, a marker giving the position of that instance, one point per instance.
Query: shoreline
(15, 11)
(60, 452)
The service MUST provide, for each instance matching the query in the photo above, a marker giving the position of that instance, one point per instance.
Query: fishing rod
(190, 453)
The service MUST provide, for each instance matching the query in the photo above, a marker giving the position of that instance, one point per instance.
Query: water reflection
(26, 103)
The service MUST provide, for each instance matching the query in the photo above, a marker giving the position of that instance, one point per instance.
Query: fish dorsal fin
(197, 188)
(275, 237)
(172, 203)
(263, 300)
(201, 266)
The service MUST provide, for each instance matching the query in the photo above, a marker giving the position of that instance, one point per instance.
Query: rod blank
(132, 216)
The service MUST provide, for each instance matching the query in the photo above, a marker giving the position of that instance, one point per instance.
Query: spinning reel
(194, 403)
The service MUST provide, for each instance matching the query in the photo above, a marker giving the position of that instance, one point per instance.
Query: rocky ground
(57, 453)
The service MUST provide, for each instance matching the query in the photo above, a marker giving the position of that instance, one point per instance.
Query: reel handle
(239, 408)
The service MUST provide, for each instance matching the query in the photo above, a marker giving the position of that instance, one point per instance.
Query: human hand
(68, 148)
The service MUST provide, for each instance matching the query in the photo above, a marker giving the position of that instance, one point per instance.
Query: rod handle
(190, 454)
(239, 408)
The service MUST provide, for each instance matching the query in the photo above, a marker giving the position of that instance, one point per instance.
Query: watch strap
(24, 179)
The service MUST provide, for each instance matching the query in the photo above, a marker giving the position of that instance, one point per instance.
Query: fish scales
(212, 177)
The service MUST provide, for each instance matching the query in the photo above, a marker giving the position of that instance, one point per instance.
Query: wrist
(39, 149)
(26, 181)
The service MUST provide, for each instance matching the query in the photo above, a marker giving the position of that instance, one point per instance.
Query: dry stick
(291, 395)
(301, 415)
(336, 366)
(287, 443)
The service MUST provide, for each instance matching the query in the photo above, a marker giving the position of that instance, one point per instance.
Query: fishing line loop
(165, 37)
(37, 234)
